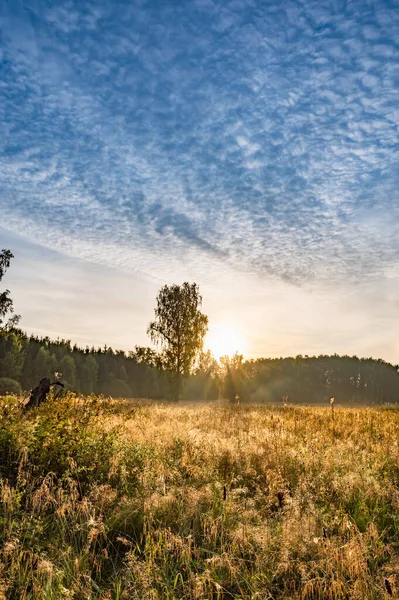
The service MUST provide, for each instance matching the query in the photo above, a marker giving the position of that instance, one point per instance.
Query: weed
(118, 500)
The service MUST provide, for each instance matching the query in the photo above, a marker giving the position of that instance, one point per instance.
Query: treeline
(25, 360)
(315, 379)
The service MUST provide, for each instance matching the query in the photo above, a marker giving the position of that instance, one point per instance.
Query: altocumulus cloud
(153, 135)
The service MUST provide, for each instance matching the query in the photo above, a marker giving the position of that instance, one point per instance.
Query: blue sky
(249, 146)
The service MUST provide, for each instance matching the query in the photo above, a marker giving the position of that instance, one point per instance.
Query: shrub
(9, 386)
(9, 452)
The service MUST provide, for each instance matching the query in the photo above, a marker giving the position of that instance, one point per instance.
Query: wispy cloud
(200, 138)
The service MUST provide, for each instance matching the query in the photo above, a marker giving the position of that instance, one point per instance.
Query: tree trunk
(39, 393)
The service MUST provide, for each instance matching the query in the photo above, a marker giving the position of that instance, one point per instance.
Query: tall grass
(117, 500)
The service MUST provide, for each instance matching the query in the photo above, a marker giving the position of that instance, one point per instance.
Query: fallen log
(39, 393)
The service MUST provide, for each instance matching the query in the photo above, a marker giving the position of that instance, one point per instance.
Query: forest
(179, 368)
(25, 360)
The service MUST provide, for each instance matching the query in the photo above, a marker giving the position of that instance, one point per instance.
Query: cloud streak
(248, 135)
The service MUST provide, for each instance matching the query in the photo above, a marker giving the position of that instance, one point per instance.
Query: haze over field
(251, 147)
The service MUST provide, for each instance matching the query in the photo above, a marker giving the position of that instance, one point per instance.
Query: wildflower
(46, 567)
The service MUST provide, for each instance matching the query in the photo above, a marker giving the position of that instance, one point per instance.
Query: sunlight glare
(225, 339)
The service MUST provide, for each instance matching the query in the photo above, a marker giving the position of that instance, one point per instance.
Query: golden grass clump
(136, 500)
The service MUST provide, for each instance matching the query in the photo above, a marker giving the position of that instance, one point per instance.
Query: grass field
(131, 500)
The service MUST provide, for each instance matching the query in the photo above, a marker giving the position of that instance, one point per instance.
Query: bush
(9, 386)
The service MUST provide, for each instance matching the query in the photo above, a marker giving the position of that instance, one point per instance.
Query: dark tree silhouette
(6, 303)
(39, 394)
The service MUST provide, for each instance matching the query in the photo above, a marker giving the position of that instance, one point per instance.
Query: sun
(225, 339)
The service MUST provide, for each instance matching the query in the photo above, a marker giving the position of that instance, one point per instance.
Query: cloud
(222, 136)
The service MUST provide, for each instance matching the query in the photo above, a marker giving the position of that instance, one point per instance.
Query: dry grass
(116, 500)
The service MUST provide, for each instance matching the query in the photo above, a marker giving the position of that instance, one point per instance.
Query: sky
(249, 146)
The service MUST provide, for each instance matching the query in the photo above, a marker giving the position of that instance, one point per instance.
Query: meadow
(117, 500)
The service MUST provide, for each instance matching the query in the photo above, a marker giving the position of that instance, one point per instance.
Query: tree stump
(39, 393)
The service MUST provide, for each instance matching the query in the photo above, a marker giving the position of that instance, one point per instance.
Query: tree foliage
(306, 380)
(232, 377)
(6, 303)
(179, 328)
(90, 370)
(146, 356)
